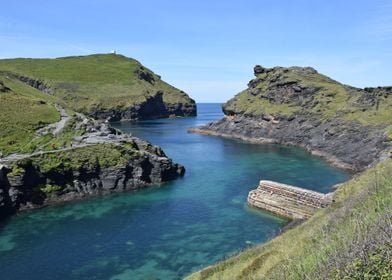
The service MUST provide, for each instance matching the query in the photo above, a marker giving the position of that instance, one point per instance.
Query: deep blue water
(164, 232)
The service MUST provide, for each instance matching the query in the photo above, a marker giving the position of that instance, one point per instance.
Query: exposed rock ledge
(355, 149)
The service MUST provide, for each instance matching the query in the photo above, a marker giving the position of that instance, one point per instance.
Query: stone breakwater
(288, 201)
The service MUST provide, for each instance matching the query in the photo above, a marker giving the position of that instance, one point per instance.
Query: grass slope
(352, 239)
(23, 110)
(96, 82)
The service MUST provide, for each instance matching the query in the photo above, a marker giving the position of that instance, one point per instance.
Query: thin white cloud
(82, 49)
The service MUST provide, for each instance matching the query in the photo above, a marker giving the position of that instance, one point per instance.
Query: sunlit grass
(95, 82)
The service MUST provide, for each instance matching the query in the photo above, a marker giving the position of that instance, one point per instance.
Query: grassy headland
(96, 82)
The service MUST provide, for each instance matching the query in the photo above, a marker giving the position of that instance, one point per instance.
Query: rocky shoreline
(331, 159)
(298, 106)
(23, 192)
(102, 161)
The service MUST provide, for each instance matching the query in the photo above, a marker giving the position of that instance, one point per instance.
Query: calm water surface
(168, 231)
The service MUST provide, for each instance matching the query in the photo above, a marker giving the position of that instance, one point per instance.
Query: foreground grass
(96, 82)
(352, 239)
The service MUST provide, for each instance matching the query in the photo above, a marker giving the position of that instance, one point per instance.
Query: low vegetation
(89, 157)
(349, 240)
(48, 188)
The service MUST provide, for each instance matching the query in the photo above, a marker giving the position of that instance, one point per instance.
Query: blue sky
(209, 48)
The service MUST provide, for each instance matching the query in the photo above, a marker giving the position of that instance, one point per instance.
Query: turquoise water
(169, 231)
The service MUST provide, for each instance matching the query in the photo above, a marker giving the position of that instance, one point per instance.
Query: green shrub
(48, 188)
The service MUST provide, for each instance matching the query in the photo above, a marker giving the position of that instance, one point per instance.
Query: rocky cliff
(153, 107)
(349, 126)
(122, 164)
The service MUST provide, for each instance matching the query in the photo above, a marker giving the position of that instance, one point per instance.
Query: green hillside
(23, 110)
(96, 82)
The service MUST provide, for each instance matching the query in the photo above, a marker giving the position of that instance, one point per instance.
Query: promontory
(56, 142)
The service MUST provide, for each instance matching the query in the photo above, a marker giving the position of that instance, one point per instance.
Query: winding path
(97, 136)
(17, 156)
(56, 127)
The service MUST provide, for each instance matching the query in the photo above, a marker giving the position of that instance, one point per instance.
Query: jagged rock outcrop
(299, 106)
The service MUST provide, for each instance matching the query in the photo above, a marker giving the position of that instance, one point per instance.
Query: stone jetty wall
(288, 201)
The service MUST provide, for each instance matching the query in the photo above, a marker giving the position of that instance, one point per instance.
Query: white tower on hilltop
(113, 52)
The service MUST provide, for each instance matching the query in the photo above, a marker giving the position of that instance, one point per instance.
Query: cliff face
(6, 207)
(153, 107)
(51, 178)
(299, 106)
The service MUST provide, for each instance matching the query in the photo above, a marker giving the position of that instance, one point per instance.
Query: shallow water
(164, 232)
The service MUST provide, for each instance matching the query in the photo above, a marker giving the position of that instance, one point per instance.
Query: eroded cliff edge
(349, 126)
